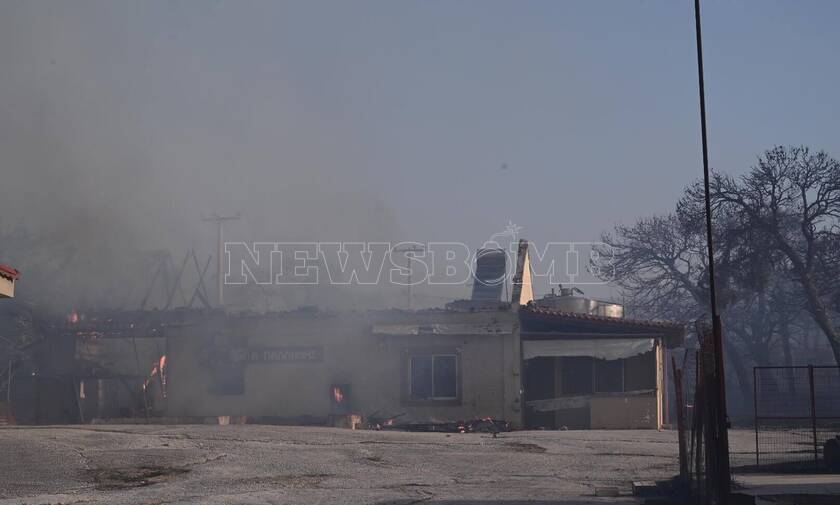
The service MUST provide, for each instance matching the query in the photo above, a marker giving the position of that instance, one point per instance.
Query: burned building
(304, 367)
(557, 362)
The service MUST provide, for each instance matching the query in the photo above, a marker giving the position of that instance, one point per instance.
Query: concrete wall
(373, 365)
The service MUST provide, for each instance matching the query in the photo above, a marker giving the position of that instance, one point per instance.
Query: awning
(602, 348)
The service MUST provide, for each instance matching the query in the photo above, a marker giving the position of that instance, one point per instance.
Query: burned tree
(791, 200)
(660, 264)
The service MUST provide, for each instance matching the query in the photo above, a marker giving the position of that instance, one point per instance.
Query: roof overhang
(454, 329)
(8, 276)
(538, 323)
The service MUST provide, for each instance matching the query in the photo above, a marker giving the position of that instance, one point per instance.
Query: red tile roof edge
(9, 272)
(665, 325)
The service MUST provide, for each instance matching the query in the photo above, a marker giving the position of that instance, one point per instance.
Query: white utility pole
(220, 264)
(409, 249)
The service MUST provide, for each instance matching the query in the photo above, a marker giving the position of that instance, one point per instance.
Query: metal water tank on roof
(567, 301)
(490, 268)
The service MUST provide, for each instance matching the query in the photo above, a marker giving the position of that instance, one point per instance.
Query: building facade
(531, 363)
(307, 367)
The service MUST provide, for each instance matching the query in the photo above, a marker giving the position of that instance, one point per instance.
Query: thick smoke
(114, 141)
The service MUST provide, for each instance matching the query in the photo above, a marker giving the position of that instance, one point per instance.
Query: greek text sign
(311, 354)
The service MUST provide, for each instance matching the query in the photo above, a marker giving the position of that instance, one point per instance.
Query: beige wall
(7, 288)
(623, 412)
(371, 364)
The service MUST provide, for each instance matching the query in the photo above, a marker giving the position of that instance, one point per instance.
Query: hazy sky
(392, 120)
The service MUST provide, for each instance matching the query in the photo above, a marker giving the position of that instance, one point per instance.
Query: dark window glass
(576, 375)
(609, 376)
(434, 377)
(422, 385)
(640, 372)
(445, 372)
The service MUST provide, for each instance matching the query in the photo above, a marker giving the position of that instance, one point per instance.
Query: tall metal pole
(220, 253)
(722, 441)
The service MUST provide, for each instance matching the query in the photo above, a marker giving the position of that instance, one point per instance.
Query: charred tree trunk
(816, 307)
(820, 314)
(785, 338)
(744, 376)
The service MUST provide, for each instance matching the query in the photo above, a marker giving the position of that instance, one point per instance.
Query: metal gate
(797, 409)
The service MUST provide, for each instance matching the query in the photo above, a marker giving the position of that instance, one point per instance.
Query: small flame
(73, 318)
(158, 370)
(338, 395)
(162, 368)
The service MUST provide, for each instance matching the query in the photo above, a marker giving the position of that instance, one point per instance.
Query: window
(576, 375)
(434, 377)
(609, 376)
(640, 372)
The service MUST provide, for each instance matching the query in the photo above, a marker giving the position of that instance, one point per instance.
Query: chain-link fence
(797, 409)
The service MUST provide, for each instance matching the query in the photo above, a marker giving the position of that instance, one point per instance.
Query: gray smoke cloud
(117, 134)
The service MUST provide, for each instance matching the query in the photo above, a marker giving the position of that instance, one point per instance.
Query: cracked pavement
(252, 464)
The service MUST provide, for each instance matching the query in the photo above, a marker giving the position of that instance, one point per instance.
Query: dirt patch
(525, 447)
(126, 478)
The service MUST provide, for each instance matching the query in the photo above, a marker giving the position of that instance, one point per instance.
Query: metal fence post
(678, 393)
(755, 409)
(813, 414)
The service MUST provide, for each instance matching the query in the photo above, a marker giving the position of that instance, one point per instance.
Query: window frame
(409, 354)
(433, 376)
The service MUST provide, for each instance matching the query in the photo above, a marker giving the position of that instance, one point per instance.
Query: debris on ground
(482, 425)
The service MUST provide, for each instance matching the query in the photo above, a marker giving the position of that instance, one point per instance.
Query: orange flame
(162, 368)
(158, 370)
(338, 395)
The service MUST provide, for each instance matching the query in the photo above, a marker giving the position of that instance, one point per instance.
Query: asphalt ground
(253, 464)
